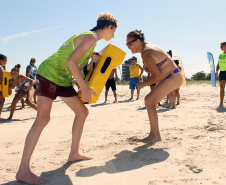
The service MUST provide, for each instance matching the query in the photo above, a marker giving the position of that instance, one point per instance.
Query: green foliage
(144, 77)
(201, 76)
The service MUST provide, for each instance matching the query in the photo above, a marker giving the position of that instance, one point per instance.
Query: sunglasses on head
(130, 42)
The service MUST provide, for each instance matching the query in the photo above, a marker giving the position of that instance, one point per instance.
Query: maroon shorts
(51, 90)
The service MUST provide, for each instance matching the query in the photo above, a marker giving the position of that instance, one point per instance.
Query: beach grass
(189, 82)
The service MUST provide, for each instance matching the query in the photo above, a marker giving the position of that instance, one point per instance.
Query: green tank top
(55, 68)
(222, 61)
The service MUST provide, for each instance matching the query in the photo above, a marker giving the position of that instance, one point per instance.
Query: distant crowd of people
(24, 85)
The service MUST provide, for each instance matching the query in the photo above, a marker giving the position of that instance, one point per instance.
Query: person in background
(111, 83)
(134, 76)
(222, 76)
(25, 86)
(31, 73)
(177, 91)
(168, 95)
(3, 62)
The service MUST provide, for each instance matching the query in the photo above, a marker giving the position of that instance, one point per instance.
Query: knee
(84, 113)
(2, 99)
(28, 102)
(42, 121)
(149, 101)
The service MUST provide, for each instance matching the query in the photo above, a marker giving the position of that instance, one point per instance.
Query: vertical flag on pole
(182, 71)
(212, 68)
(120, 74)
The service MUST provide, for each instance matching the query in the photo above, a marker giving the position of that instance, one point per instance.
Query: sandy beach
(192, 150)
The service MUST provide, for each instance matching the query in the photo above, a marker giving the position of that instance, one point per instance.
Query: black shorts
(51, 90)
(110, 83)
(222, 75)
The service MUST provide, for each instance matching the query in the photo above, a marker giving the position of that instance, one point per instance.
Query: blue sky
(38, 28)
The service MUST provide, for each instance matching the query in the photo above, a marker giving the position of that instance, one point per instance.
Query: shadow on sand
(221, 109)
(158, 111)
(124, 161)
(56, 176)
(126, 101)
(13, 120)
(127, 161)
(110, 103)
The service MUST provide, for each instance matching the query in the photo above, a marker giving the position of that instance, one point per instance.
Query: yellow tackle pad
(4, 87)
(96, 79)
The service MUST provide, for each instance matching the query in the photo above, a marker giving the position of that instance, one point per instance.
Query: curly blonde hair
(108, 16)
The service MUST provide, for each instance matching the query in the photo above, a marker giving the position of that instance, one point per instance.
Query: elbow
(159, 78)
(68, 62)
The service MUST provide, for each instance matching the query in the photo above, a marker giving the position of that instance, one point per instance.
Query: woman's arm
(151, 65)
(11, 85)
(141, 70)
(72, 62)
(25, 78)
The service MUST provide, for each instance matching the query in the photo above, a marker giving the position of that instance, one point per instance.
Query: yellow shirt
(134, 71)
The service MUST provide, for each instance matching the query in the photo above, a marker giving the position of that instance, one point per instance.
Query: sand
(192, 150)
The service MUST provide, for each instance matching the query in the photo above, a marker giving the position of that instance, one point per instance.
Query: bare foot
(137, 99)
(2, 119)
(221, 105)
(23, 108)
(105, 101)
(173, 107)
(9, 118)
(78, 157)
(29, 178)
(169, 107)
(178, 103)
(115, 101)
(130, 99)
(151, 139)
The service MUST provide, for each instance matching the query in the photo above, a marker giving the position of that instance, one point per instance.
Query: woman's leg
(22, 102)
(152, 99)
(172, 100)
(81, 113)
(18, 96)
(2, 101)
(177, 94)
(35, 95)
(28, 101)
(43, 117)
(222, 86)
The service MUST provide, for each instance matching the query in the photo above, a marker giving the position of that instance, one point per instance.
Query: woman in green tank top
(54, 78)
(222, 76)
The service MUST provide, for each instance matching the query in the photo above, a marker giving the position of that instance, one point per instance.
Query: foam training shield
(97, 78)
(4, 87)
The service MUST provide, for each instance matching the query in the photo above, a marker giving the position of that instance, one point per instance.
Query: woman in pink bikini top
(163, 71)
